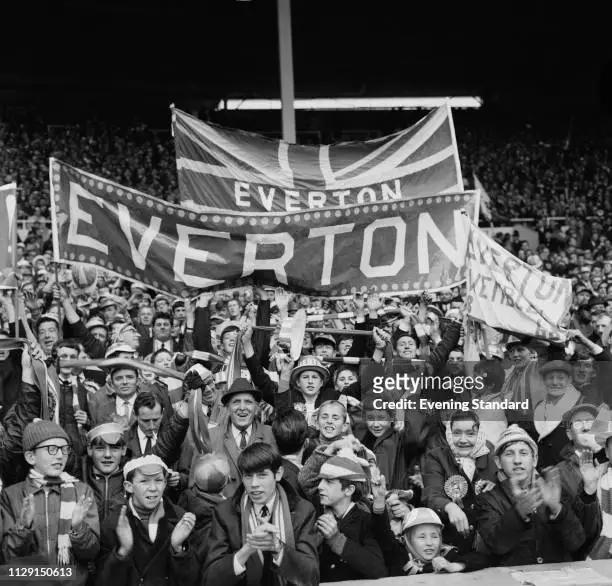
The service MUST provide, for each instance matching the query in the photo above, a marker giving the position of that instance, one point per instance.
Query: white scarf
(548, 416)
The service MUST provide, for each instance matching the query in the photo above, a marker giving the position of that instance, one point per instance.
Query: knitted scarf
(281, 518)
(68, 502)
(468, 463)
(152, 521)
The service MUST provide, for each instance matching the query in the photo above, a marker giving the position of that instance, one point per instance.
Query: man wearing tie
(265, 534)
(162, 336)
(115, 400)
(243, 428)
(151, 434)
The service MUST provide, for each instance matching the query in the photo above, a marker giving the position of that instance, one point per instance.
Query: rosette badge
(456, 487)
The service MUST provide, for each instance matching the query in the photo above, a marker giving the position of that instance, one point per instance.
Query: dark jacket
(286, 400)
(201, 504)
(27, 407)
(357, 556)
(396, 452)
(149, 564)
(66, 416)
(298, 566)
(169, 440)
(396, 555)
(438, 465)
(93, 347)
(290, 474)
(222, 442)
(515, 542)
(108, 490)
(41, 538)
(587, 507)
(103, 405)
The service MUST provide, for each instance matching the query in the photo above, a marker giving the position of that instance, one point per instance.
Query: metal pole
(285, 50)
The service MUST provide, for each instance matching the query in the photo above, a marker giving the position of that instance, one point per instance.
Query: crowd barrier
(589, 573)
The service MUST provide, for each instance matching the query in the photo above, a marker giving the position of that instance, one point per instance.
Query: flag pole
(54, 232)
(55, 236)
(461, 186)
(13, 229)
(285, 50)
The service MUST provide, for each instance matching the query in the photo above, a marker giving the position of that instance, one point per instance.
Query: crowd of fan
(162, 463)
(527, 173)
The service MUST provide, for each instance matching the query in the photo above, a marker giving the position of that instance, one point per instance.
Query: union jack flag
(219, 168)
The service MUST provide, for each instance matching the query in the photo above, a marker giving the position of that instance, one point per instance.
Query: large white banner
(506, 293)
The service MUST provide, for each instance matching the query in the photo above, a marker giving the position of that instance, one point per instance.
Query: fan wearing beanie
(527, 519)
(50, 513)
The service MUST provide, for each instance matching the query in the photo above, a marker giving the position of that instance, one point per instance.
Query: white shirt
(168, 345)
(238, 434)
(269, 504)
(120, 405)
(142, 440)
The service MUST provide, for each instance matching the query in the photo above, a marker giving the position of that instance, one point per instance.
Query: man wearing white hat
(148, 541)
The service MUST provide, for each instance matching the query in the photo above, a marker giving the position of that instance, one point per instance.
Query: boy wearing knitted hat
(50, 513)
(349, 551)
(527, 519)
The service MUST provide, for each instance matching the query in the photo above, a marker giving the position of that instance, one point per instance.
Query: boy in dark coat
(102, 470)
(349, 550)
(265, 534)
(527, 519)
(147, 542)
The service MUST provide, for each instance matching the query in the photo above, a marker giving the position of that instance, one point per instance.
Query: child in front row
(50, 513)
(420, 549)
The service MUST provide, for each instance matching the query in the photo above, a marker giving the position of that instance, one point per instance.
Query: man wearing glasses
(50, 513)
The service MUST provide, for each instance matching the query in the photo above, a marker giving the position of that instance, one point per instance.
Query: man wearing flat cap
(148, 542)
(243, 428)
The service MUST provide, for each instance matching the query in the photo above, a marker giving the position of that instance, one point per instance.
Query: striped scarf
(281, 518)
(68, 502)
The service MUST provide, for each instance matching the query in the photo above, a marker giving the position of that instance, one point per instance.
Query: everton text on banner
(506, 293)
(8, 220)
(402, 246)
(236, 170)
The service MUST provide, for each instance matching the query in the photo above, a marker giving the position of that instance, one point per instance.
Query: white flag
(508, 294)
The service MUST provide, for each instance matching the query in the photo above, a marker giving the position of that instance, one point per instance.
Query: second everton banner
(401, 246)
